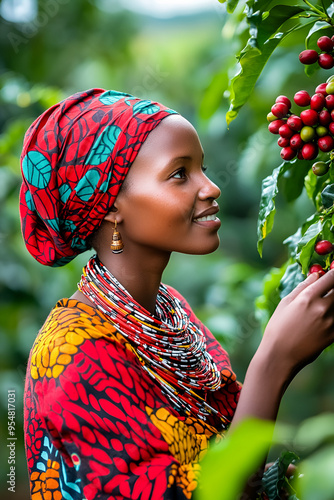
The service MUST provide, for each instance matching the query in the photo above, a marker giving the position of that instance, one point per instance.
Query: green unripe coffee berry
(307, 133)
(320, 168)
(330, 87)
(330, 79)
(321, 131)
(271, 117)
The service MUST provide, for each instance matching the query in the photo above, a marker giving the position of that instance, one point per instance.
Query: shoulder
(71, 332)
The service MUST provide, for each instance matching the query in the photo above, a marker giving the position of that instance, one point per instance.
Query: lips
(205, 218)
(207, 215)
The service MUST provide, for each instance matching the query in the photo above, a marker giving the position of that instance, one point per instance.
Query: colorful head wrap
(74, 160)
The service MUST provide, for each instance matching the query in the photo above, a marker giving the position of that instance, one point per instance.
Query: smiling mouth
(206, 218)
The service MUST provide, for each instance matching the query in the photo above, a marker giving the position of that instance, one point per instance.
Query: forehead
(173, 137)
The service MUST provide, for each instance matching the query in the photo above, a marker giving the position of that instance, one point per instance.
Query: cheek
(151, 216)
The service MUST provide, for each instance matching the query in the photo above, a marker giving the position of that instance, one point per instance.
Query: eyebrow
(188, 158)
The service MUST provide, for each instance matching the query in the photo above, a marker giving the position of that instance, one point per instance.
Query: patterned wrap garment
(98, 427)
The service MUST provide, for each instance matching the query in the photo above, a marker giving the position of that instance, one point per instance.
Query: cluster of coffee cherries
(305, 134)
(323, 247)
(325, 59)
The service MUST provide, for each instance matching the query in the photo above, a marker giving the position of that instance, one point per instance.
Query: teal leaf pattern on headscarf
(111, 96)
(78, 243)
(145, 107)
(29, 201)
(104, 186)
(87, 185)
(68, 225)
(104, 145)
(54, 223)
(36, 169)
(64, 191)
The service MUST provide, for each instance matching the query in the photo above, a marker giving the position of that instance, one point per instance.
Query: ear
(113, 215)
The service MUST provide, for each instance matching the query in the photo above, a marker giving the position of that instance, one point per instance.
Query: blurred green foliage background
(185, 62)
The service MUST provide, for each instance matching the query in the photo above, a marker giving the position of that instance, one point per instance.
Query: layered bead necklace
(169, 347)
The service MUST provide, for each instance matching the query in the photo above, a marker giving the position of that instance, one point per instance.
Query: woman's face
(167, 202)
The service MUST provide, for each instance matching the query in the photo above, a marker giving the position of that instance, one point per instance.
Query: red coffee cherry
(331, 128)
(321, 89)
(274, 127)
(320, 168)
(296, 142)
(309, 117)
(324, 117)
(316, 268)
(284, 99)
(308, 56)
(283, 142)
(332, 265)
(288, 153)
(326, 61)
(323, 247)
(295, 122)
(330, 102)
(325, 44)
(309, 151)
(279, 109)
(302, 98)
(285, 131)
(326, 143)
(317, 102)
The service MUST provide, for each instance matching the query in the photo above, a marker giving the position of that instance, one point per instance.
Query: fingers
(322, 286)
(312, 278)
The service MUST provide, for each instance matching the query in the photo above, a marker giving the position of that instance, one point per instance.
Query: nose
(208, 189)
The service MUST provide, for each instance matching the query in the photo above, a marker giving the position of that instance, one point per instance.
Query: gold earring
(117, 244)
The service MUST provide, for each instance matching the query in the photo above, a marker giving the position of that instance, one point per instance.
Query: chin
(204, 249)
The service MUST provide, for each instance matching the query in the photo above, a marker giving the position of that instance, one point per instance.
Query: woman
(125, 385)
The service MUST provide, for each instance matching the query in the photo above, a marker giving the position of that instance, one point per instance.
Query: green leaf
(264, 39)
(313, 34)
(225, 470)
(267, 204)
(231, 5)
(252, 63)
(274, 478)
(268, 26)
(327, 196)
(317, 478)
(306, 245)
(315, 431)
(292, 242)
(213, 95)
(292, 277)
(267, 302)
(313, 184)
(292, 182)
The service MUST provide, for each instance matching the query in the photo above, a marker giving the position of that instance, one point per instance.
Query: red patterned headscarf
(74, 160)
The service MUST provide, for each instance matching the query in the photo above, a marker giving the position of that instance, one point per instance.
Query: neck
(139, 272)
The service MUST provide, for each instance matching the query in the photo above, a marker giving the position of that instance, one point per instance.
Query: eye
(204, 168)
(179, 174)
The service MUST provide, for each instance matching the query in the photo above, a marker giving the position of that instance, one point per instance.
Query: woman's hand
(298, 331)
(302, 326)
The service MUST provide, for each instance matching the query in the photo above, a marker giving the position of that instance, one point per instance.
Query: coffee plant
(304, 124)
